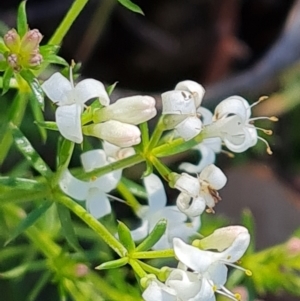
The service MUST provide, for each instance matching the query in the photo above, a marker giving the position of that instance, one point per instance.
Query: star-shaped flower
(70, 100)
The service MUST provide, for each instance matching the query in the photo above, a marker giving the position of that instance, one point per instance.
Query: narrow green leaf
(113, 264)
(39, 285)
(49, 125)
(135, 188)
(39, 117)
(48, 49)
(55, 59)
(22, 24)
(131, 6)
(125, 237)
(249, 223)
(154, 236)
(29, 220)
(38, 93)
(111, 88)
(67, 227)
(6, 80)
(64, 153)
(29, 152)
(20, 183)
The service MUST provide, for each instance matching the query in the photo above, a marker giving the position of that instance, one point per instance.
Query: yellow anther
(248, 272)
(273, 118)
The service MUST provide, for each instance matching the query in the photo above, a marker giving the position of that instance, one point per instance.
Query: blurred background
(245, 47)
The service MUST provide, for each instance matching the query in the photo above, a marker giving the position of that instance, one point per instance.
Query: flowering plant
(65, 212)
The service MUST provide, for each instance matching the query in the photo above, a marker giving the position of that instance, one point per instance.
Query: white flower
(177, 225)
(132, 110)
(233, 124)
(202, 190)
(180, 109)
(114, 132)
(211, 266)
(71, 100)
(94, 191)
(114, 152)
(157, 291)
(207, 148)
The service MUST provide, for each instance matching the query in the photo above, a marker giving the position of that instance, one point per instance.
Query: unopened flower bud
(12, 40)
(115, 132)
(12, 61)
(35, 60)
(31, 41)
(132, 110)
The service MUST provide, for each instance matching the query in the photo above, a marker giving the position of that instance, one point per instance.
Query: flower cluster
(202, 273)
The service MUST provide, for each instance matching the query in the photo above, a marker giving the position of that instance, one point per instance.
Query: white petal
(206, 115)
(217, 273)
(69, 123)
(97, 203)
(193, 87)
(189, 128)
(157, 198)
(73, 187)
(58, 89)
(178, 102)
(141, 232)
(206, 293)
(214, 176)
(157, 291)
(188, 184)
(93, 159)
(234, 105)
(108, 182)
(191, 209)
(88, 89)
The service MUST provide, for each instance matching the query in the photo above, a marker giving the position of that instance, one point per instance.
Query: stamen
(229, 154)
(225, 292)
(267, 132)
(272, 118)
(269, 151)
(247, 272)
(262, 98)
(116, 198)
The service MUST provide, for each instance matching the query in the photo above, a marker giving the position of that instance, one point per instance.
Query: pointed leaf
(135, 188)
(20, 183)
(125, 237)
(48, 49)
(131, 6)
(113, 264)
(38, 93)
(249, 223)
(55, 59)
(154, 236)
(67, 227)
(49, 125)
(6, 80)
(111, 88)
(29, 220)
(39, 117)
(22, 24)
(29, 152)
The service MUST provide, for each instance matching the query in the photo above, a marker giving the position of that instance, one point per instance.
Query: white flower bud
(115, 132)
(132, 110)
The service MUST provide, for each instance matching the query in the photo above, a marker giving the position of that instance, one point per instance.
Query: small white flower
(114, 152)
(94, 191)
(208, 148)
(232, 123)
(70, 100)
(211, 266)
(177, 225)
(114, 132)
(202, 190)
(132, 110)
(157, 291)
(180, 109)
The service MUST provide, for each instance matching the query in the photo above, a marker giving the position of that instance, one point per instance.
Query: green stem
(163, 170)
(154, 254)
(92, 223)
(158, 131)
(67, 22)
(128, 196)
(137, 268)
(149, 268)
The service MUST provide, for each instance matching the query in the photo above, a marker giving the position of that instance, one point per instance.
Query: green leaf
(131, 6)
(22, 24)
(249, 223)
(38, 93)
(20, 183)
(49, 125)
(113, 264)
(39, 117)
(6, 80)
(48, 49)
(125, 237)
(29, 220)
(154, 236)
(55, 59)
(111, 88)
(65, 151)
(29, 152)
(135, 188)
(67, 227)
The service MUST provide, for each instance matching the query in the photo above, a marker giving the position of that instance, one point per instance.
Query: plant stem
(154, 254)
(92, 223)
(128, 196)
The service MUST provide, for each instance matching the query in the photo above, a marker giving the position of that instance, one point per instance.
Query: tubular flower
(70, 100)
(211, 266)
(177, 225)
(132, 110)
(180, 108)
(94, 191)
(232, 123)
(202, 190)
